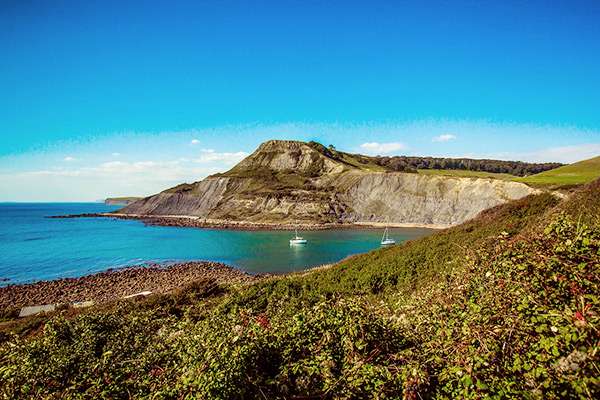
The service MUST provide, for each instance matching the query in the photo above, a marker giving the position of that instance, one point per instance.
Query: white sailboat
(385, 240)
(297, 239)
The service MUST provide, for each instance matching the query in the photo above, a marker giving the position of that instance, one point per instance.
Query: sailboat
(385, 240)
(297, 239)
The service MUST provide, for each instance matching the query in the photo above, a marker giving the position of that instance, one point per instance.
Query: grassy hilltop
(503, 306)
(572, 174)
(563, 177)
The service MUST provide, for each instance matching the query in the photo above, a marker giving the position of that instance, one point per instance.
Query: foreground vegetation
(503, 306)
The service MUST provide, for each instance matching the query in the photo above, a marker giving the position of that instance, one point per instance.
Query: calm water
(34, 247)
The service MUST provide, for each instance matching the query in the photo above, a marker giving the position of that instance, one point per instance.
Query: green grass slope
(576, 173)
(460, 173)
(503, 306)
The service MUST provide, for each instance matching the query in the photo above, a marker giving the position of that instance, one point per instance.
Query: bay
(33, 247)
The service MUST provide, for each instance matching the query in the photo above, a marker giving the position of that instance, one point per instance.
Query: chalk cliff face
(284, 180)
(423, 199)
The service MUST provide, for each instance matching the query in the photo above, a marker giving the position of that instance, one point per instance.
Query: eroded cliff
(285, 180)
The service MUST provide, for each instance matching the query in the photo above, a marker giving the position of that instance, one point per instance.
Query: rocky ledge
(117, 283)
(195, 222)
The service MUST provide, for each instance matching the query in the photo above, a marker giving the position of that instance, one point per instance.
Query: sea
(33, 247)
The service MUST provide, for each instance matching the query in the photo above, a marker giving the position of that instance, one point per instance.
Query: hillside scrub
(426, 260)
(500, 311)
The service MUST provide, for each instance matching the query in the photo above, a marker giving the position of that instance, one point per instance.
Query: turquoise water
(34, 247)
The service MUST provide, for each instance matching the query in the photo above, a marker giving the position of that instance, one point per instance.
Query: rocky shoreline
(184, 221)
(118, 283)
(202, 223)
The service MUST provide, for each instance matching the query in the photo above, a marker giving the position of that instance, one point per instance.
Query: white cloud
(70, 159)
(443, 138)
(109, 179)
(382, 148)
(183, 159)
(116, 154)
(222, 158)
(194, 141)
(207, 150)
(113, 164)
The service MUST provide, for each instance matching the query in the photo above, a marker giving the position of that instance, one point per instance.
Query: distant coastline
(120, 201)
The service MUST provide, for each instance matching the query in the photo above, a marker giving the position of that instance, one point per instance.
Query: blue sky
(113, 98)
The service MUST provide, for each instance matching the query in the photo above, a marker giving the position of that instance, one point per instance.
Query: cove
(33, 247)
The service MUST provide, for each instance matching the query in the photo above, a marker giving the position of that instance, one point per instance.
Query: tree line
(412, 164)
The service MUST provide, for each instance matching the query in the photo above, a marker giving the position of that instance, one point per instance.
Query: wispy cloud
(71, 159)
(194, 141)
(207, 150)
(116, 154)
(222, 158)
(382, 148)
(443, 138)
(117, 169)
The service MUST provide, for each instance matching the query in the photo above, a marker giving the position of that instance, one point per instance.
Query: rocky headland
(284, 181)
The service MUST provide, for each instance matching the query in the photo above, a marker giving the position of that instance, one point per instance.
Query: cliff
(285, 180)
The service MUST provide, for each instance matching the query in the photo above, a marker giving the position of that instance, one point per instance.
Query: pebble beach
(118, 283)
